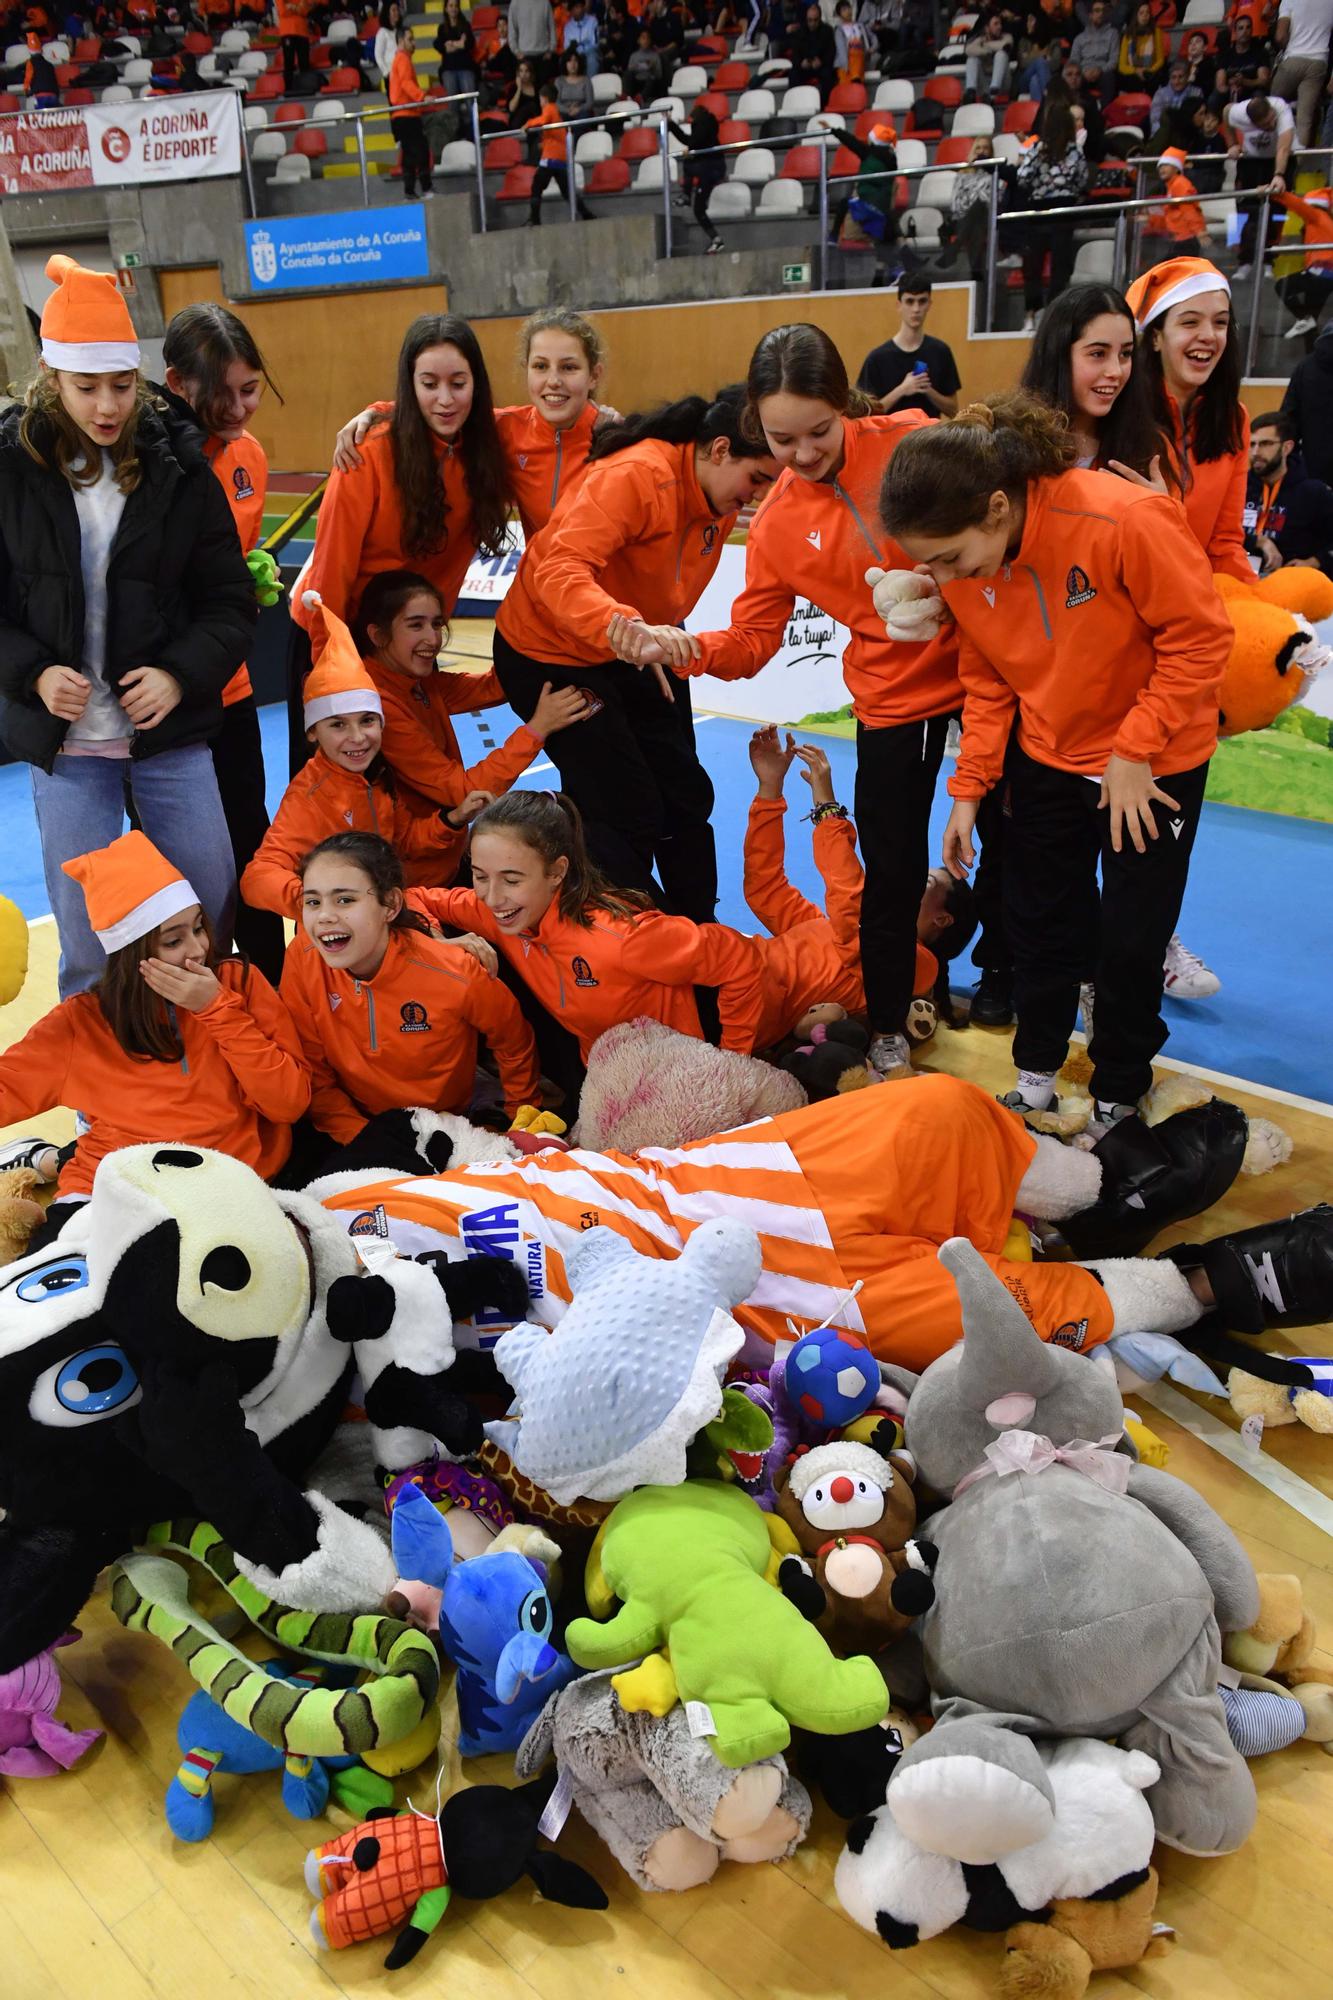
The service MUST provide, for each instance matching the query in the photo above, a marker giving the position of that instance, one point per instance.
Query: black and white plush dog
(186, 1346)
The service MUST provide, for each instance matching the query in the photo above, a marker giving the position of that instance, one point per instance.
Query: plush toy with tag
(910, 604)
(404, 1868)
(862, 1575)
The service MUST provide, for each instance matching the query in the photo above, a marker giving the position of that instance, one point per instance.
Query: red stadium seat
(312, 143)
(709, 49)
(849, 98)
(290, 114)
(518, 183)
(268, 86)
(194, 44)
(845, 164)
(801, 164)
(501, 154)
(867, 121)
(1021, 115)
(952, 152)
(733, 132)
(321, 55)
(8, 101)
(1132, 107)
(609, 177)
(67, 74)
(946, 90)
(483, 19)
(89, 47)
(77, 97)
(637, 142)
(732, 76)
(341, 82)
(714, 101)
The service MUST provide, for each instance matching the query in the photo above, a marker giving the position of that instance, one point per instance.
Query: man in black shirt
(913, 370)
(1288, 515)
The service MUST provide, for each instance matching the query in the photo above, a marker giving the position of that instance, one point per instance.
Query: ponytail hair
(383, 598)
(378, 861)
(552, 826)
(693, 420)
(940, 479)
(800, 360)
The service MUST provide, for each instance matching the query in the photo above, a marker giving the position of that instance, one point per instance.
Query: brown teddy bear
(1055, 1959)
(861, 1576)
(1277, 1653)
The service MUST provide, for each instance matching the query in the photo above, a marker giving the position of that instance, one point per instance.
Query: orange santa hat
(1178, 158)
(86, 323)
(1170, 284)
(341, 683)
(130, 889)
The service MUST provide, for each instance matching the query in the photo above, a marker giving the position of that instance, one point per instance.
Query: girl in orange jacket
(347, 783)
(545, 441)
(215, 369)
(1306, 292)
(400, 629)
(171, 1041)
(432, 487)
(814, 537)
(387, 1012)
(1183, 311)
(1086, 615)
(591, 954)
(635, 542)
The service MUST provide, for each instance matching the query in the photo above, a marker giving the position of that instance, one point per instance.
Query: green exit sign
(796, 274)
(131, 260)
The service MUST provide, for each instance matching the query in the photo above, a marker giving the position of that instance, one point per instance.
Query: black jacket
(179, 595)
(1309, 402)
(1300, 515)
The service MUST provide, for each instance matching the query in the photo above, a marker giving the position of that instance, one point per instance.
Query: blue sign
(357, 246)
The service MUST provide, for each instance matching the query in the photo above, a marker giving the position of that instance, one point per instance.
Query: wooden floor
(98, 1903)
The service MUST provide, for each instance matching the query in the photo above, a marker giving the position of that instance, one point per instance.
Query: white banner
(164, 139)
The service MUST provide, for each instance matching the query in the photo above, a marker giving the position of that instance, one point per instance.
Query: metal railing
(359, 120)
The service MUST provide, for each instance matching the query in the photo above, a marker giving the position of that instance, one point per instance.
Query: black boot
(1153, 1176)
(993, 1000)
(1276, 1274)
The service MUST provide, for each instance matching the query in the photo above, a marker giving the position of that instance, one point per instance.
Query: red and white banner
(116, 145)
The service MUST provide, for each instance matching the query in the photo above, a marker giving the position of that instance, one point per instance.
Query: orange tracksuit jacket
(812, 955)
(404, 92)
(636, 535)
(861, 1187)
(406, 1037)
(817, 540)
(1104, 634)
(1214, 497)
(591, 977)
(1318, 229)
(241, 465)
(360, 531)
(240, 1085)
(544, 464)
(323, 799)
(553, 143)
(1185, 221)
(422, 749)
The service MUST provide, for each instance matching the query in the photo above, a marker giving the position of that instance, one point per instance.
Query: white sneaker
(1029, 324)
(1306, 325)
(1187, 977)
(1241, 273)
(889, 1052)
(29, 1153)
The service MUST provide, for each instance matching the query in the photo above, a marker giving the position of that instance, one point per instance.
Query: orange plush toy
(1275, 651)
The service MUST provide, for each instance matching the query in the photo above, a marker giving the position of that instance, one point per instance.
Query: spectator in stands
(524, 104)
(554, 162)
(1207, 137)
(294, 34)
(1142, 57)
(581, 34)
(573, 93)
(1176, 231)
(1259, 139)
(457, 50)
(988, 55)
(1306, 293)
(1308, 406)
(883, 22)
(1061, 19)
(619, 36)
(1095, 48)
(499, 66)
(1032, 56)
(1052, 175)
(912, 370)
(667, 29)
(970, 206)
(813, 52)
(1202, 66)
(702, 168)
(405, 95)
(1173, 106)
(1288, 515)
(1071, 85)
(849, 44)
(1304, 30)
(643, 71)
(1244, 59)
(386, 38)
(869, 209)
(532, 33)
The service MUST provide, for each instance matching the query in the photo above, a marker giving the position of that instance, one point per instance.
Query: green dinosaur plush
(688, 1564)
(264, 576)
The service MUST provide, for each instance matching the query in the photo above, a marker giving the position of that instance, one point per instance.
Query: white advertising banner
(151, 140)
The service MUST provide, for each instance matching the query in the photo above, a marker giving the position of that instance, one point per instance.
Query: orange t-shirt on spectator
(553, 143)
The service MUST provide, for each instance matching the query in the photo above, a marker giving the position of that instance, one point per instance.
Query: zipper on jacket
(855, 512)
(173, 1022)
(528, 945)
(370, 1014)
(1041, 599)
(559, 460)
(370, 806)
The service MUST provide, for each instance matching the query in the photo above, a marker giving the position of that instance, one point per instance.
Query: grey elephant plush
(665, 1806)
(1077, 1594)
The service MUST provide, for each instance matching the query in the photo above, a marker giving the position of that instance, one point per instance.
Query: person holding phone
(912, 370)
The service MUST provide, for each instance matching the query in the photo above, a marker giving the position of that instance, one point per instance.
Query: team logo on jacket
(241, 484)
(523, 461)
(415, 1020)
(335, 1002)
(710, 537)
(348, 815)
(583, 973)
(1080, 590)
(1072, 1334)
(813, 538)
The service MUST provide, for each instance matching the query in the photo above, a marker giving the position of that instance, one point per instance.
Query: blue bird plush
(495, 1625)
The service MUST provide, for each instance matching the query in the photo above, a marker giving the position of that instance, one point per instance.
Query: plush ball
(13, 951)
(832, 1375)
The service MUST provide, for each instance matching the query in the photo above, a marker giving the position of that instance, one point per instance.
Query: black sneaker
(993, 1001)
(1155, 1175)
(1275, 1274)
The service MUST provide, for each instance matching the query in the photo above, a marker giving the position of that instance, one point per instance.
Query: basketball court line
(1270, 1473)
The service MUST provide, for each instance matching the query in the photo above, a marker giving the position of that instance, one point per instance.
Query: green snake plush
(150, 1592)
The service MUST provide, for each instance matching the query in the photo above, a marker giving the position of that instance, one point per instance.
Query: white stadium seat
(757, 166)
(781, 198)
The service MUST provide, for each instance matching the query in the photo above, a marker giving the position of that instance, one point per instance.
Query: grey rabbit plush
(1077, 1594)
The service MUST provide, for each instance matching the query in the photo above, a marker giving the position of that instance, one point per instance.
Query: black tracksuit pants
(896, 769)
(238, 762)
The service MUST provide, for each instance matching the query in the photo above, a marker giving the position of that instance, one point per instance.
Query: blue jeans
(82, 805)
(1035, 78)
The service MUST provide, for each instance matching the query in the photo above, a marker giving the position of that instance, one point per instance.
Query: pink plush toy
(32, 1743)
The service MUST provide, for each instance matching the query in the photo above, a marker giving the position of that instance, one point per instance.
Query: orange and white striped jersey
(533, 1210)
